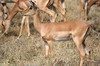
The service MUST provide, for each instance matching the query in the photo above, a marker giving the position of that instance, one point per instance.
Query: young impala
(26, 20)
(86, 5)
(60, 31)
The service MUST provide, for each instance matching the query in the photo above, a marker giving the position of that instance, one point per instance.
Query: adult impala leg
(82, 9)
(7, 22)
(64, 8)
(50, 47)
(59, 6)
(46, 47)
(46, 50)
(52, 13)
(5, 12)
(78, 42)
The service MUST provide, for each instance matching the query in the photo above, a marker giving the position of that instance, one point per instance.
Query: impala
(5, 13)
(58, 4)
(23, 6)
(86, 5)
(49, 32)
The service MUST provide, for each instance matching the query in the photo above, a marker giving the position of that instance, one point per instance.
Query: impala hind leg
(5, 13)
(81, 12)
(81, 48)
(64, 7)
(7, 22)
(61, 8)
(50, 12)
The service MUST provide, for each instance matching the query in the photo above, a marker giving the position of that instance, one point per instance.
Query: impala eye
(30, 8)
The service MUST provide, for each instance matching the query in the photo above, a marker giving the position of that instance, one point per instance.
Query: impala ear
(38, 12)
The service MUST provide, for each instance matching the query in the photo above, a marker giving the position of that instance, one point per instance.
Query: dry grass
(29, 51)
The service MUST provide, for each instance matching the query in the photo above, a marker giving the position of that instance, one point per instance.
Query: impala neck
(37, 22)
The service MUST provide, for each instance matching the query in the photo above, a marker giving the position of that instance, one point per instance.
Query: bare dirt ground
(29, 51)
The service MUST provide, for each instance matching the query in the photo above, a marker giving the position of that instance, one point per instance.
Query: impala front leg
(50, 47)
(46, 47)
(22, 23)
(6, 25)
(46, 50)
(27, 25)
